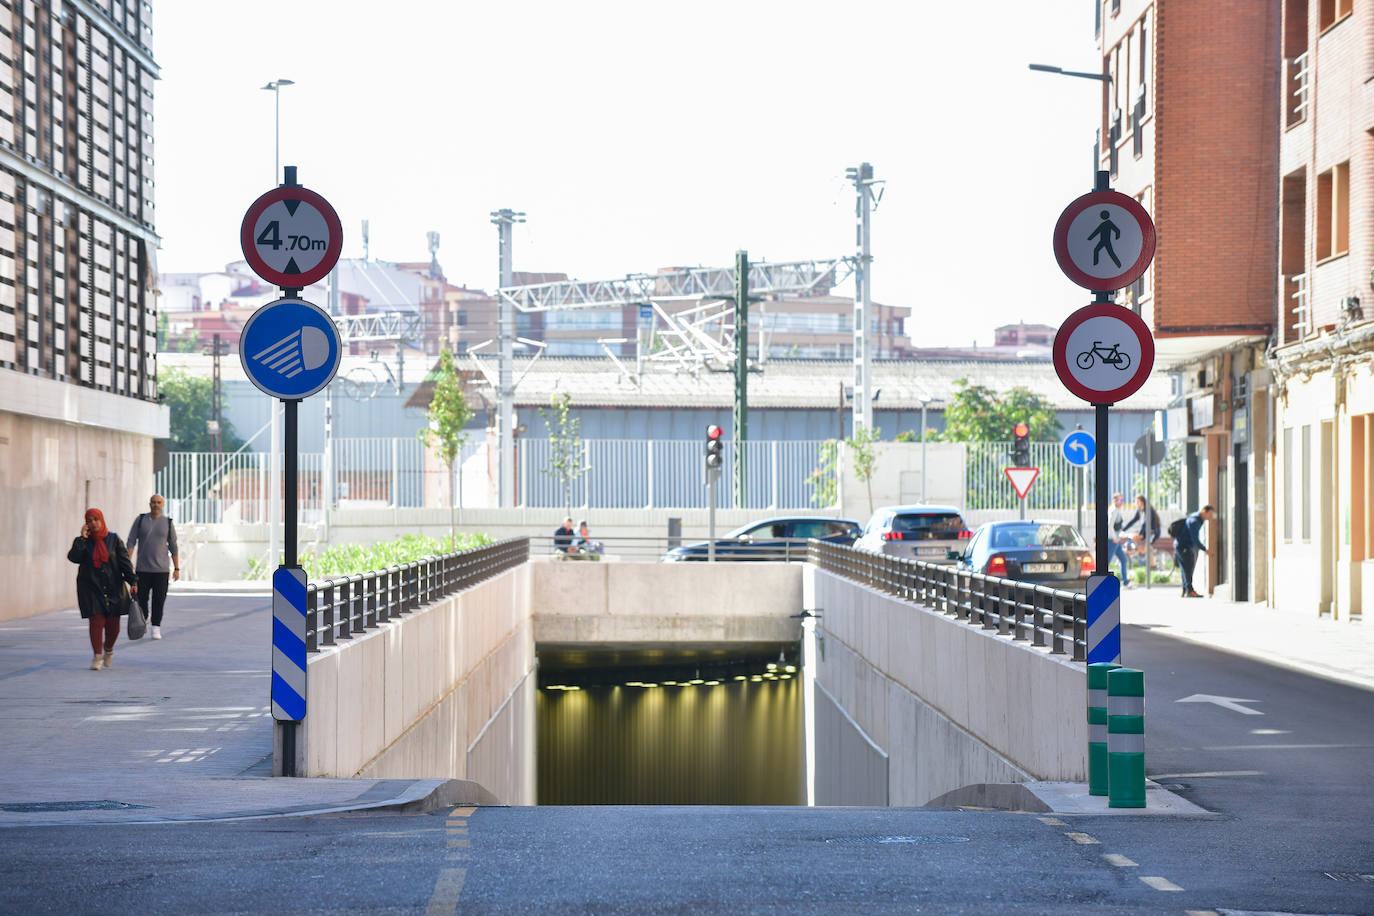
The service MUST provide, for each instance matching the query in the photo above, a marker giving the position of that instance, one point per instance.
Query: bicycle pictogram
(1110, 356)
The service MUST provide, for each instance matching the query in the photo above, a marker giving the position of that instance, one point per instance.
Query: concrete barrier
(446, 692)
(947, 704)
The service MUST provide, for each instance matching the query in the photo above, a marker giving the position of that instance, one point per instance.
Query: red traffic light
(713, 431)
(1021, 430)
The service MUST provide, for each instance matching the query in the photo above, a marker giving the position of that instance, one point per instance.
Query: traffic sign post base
(1126, 738)
(1097, 726)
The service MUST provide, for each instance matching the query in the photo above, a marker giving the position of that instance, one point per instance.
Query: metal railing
(1043, 616)
(652, 549)
(346, 606)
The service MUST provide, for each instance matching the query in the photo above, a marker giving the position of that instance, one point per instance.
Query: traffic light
(714, 459)
(1020, 449)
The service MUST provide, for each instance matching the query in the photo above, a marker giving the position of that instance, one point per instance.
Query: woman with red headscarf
(101, 562)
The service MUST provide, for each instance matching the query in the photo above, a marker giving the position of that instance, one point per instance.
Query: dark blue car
(1047, 552)
(772, 539)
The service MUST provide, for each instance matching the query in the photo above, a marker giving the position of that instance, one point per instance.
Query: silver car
(926, 533)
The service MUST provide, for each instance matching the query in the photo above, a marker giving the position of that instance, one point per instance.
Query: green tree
(864, 453)
(191, 401)
(976, 413)
(822, 478)
(448, 414)
(565, 445)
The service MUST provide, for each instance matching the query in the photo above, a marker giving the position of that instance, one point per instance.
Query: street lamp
(274, 87)
(274, 492)
(1099, 77)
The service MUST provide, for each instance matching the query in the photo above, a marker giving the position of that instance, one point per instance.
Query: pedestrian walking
(1116, 549)
(1188, 543)
(156, 539)
(102, 563)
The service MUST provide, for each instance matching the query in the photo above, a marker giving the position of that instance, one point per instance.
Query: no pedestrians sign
(1104, 241)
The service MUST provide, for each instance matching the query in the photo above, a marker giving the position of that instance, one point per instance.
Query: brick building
(1323, 358)
(78, 360)
(1189, 130)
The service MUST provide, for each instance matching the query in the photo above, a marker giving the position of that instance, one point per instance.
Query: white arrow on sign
(1232, 703)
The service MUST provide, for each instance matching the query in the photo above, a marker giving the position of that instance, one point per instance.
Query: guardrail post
(1126, 738)
(329, 612)
(312, 618)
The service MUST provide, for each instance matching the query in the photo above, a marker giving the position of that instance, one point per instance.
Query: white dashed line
(1120, 861)
(447, 890)
(1160, 884)
(1052, 821)
(1082, 839)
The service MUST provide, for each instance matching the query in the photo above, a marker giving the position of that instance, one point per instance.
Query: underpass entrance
(670, 725)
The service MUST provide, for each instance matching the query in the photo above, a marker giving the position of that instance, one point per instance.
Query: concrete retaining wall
(664, 603)
(949, 704)
(446, 692)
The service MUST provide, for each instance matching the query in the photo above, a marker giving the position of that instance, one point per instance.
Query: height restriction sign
(1104, 241)
(291, 237)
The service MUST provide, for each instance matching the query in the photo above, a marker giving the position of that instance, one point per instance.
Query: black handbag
(138, 624)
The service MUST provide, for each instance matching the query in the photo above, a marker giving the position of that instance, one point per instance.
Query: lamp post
(274, 87)
(1082, 74)
(274, 477)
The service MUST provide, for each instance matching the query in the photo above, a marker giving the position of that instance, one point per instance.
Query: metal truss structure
(693, 337)
(380, 327)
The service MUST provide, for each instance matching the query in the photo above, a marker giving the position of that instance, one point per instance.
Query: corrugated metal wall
(736, 744)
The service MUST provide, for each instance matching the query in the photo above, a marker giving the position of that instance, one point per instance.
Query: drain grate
(912, 840)
(1349, 876)
(31, 807)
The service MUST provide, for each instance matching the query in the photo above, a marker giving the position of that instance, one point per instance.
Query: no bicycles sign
(1103, 353)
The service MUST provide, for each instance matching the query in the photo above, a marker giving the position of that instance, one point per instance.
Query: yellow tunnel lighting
(791, 669)
(741, 677)
(756, 678)
(696, 680)
(772, 666)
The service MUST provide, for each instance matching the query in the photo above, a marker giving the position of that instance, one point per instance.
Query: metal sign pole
(1100, 489)
(711, 476)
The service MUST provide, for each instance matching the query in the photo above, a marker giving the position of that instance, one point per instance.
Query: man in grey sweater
(156, 539)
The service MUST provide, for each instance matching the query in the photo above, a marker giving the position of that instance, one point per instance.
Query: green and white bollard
(1097, 726)
(1126, 738)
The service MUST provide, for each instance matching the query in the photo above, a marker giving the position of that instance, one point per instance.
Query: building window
(1333, 11)
(1307, 483)
(1333, 212)
(1296, 316)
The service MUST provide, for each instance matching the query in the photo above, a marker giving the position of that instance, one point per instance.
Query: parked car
(927, 533)
(1048, 552)
(771, 539)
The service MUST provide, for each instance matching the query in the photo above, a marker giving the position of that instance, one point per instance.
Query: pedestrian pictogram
(290, 349)
(1104, 241)
(291, 237)
(1103, 353)
(1079, 448)
(1021, 479)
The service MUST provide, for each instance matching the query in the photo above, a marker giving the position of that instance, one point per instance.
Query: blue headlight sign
(290, 349)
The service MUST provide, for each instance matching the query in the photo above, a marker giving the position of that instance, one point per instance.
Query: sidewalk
(179, 729)
(1338, 650)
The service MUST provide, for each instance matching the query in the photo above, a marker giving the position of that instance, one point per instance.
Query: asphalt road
(1290, 785)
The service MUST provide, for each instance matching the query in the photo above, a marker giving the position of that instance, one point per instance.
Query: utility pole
(864, 205)
(216, 398)
(741, 412)
(505, 386)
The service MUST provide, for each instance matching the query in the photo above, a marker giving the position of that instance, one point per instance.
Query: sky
(639, 135)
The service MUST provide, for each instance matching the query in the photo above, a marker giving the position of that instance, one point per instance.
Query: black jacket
(97, 590)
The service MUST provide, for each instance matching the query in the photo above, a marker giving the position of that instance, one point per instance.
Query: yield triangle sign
(1021, 479)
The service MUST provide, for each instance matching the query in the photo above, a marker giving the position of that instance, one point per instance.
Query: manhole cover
(912, 840)
(1348, 876)
(28, 807)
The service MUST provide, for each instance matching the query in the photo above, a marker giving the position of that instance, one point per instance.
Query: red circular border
(1130, 274)
(1128, 318)
(250, 248)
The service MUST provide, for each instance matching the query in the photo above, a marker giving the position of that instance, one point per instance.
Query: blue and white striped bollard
(288, 644)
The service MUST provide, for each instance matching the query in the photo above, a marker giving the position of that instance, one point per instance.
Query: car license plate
(1044, 567)
(931, 551)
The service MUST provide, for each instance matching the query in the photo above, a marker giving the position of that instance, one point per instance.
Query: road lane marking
(1201, 913)
(1117, 859)
(447, 889)
(459, 843)
(1160, 776)
(457, 831)
(1082, 839)
(1160, 884)
(1286, 747)
(462, 812)
(1051, 821)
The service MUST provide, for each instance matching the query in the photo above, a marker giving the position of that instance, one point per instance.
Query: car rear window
(1037, 536)
(933, 526)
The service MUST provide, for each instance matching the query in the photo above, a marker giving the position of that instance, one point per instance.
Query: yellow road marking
(447, 889)
(1052, 821)
(453, 831)
(462, 812)
(1082, 839)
